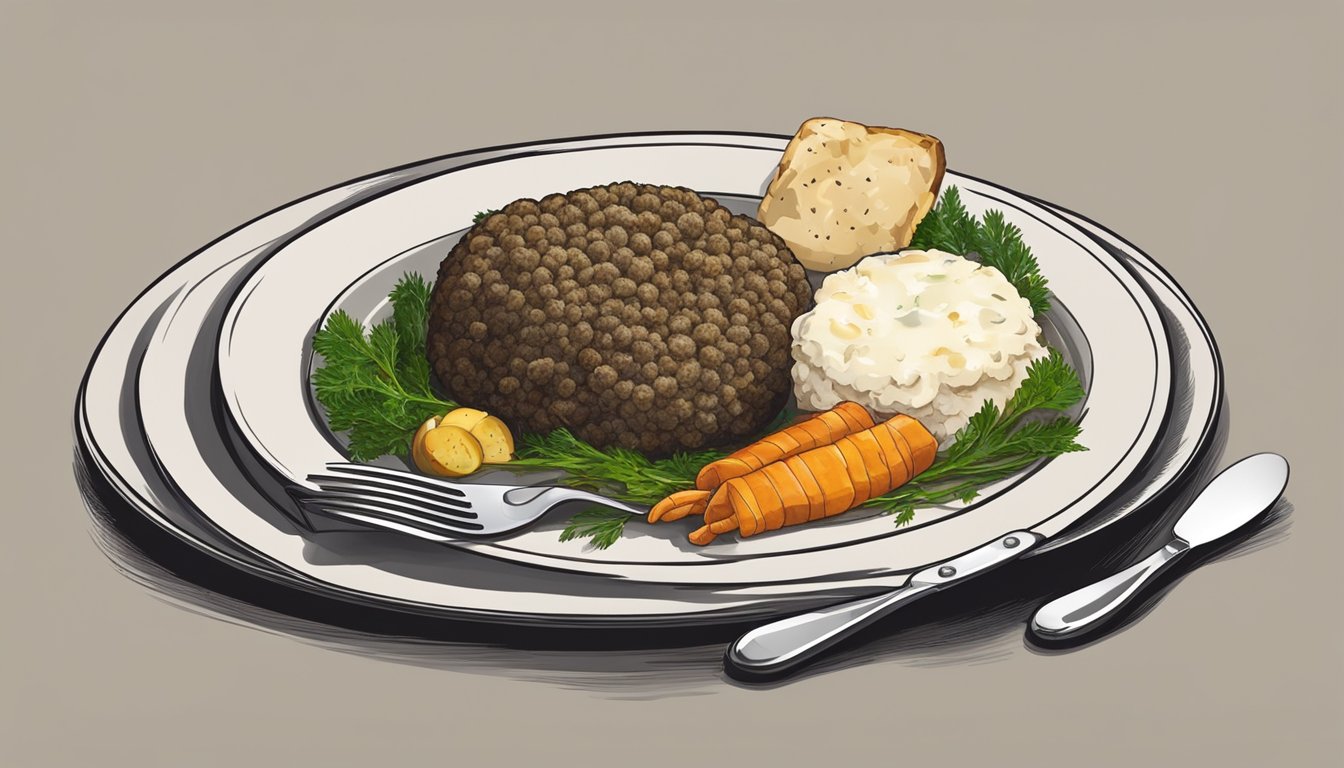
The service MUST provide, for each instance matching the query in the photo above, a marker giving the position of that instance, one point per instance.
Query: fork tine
(382, 511)
(450, 505)
(368, 521)
(409, 506)
(395, 476)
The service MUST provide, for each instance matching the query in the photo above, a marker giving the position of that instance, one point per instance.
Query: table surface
(1206, 133)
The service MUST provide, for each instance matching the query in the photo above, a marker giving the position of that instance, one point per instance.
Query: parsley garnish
(994, 445)
(482, 215)
(996, 243)
(376, 386)
(601, 526)
(624, 474)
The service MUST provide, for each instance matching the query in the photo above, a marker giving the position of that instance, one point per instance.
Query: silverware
(432, 508)
(1231, 500)
(781, 645)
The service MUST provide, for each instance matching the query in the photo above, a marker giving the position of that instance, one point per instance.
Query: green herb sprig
(376, 385)
(623, 474)
(993, 240)
(996, 444)
(601, 526)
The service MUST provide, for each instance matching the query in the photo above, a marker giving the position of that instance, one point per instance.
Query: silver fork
(433, 508)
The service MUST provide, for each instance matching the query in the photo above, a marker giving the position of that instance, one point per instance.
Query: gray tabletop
(1207, 134)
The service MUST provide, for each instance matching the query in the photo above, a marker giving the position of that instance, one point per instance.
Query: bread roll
(846, 190)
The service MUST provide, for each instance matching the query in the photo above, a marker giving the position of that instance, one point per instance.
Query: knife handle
(777, 646)
(1082, 609)
(780, 645)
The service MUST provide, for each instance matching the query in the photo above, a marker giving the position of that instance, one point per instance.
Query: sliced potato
(452, 451)
(466, 418)
(418, 455)
(495, 438)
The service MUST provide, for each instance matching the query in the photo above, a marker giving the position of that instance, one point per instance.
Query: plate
(1102, 318)
(186, 490)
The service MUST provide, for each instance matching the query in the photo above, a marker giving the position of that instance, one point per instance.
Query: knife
(779, 646)
(1231, 500)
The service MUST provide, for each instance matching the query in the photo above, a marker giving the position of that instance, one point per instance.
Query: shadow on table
(975, 623)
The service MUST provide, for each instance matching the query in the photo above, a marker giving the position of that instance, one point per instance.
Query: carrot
(815, 431)
(679, 505)
(818, 483)
(822, 429)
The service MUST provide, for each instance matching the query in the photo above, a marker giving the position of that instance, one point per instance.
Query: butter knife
(1231, 500)
(774, 648)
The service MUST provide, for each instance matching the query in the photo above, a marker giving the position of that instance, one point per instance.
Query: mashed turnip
(925, 333)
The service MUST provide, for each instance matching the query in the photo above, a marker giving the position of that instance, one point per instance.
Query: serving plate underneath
(1103, 316)
(382, 569)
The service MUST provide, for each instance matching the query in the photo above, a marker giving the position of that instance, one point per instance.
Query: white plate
(370, 568)
(1102, 316)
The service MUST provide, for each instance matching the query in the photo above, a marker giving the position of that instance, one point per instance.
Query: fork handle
(573, 494)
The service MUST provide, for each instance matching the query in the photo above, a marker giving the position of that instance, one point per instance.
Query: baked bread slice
(846, 190)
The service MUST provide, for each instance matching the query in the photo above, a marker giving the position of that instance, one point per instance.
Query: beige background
(1208, 133)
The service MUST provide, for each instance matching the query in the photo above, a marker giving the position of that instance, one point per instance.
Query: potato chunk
(466, 418)
(418, 455)
(495, 439)
(452, 451)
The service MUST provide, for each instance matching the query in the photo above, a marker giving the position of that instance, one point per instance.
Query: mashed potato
(925, 333)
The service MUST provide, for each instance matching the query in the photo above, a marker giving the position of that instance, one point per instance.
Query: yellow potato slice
(452, 451)
(418, 455)
(466, 418)
(495, 438)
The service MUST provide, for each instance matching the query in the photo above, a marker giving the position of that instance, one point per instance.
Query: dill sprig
(623, 474)
(996, 444)
(375, 386)
(993, 241)
(600, 525)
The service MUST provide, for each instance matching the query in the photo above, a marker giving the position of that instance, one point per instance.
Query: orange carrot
(679, 505)
(820, 429)
(821, 482)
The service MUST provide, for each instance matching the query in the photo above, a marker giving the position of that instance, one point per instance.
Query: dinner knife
(1231, 500)
(775, 648)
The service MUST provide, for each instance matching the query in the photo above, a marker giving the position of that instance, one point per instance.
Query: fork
(431, 508)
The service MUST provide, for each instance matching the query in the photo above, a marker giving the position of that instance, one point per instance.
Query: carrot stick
(820, 482)
(790, 490)
(828, 466)
(817, 430)
(856, 467)
(821, 429)
(679, 505)
(896, 459)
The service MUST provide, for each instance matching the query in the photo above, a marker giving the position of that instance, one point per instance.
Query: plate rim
(1087, 526)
